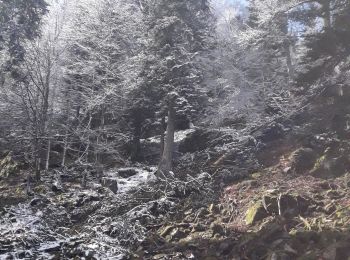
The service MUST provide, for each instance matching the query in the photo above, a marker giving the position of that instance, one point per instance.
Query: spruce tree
(178, 32)
(19, 21)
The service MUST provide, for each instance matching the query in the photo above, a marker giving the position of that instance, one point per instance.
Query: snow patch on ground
(178, 136)
(22, 226)
(142, 176)
(49, 246)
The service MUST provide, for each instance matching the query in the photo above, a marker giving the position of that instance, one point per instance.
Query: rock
(271, 133)
(293, 205)
(333, 163)
(214, 209)
(34, 202)
(303, 160)
(225, 246)
(348, 184)
(287, 170)
(189, 218)
(248, 184)
(21, 254)
(289, 249)
(238, 122)
(56, 187)
(166, 231)
(188, 212)
(228, 177)
(325, 185)
(41, 189)
(270, 204)
(171, 233)
(160, 256)
(89, 254)
(198, 228)
(86, 198)
(127, 172)
(202, 139)
(81, 213)
(110, 183)
(202, 212)
(333, 194)
(289, 205)
(8, 166)
(337, 251)
(255, 213)
(176, 234)
(330, 208)
(50, 247)
(256, 175)
(217, 228)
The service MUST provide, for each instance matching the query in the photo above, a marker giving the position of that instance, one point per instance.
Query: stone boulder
(255, 213)
(273, 132)
(110, 183)
(238, 122)
(288, 205)
(127, 172)
(332, 163)
(8, 166)
(202, 139)
(303, 160)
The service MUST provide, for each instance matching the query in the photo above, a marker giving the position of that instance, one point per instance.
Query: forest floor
(295, 207)
(272, 214)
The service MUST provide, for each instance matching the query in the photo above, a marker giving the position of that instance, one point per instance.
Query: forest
(175, 129)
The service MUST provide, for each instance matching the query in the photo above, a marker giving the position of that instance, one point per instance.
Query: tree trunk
(37, 168)
(36, 158)
(136, 144)
(65, 147)
(77, 112)
(162, 136)
(100, 137)
(287, 46)
(47, 164)
(326, 8)
(165, 164)
(289, 62)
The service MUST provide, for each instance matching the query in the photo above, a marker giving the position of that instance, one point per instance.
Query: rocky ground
(277, 191)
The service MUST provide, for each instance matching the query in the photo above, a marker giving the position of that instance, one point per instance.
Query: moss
(40, 189)
(255, 213)
(342, 215)
(319, 162)
(8, 166)
(256, 175)
(19, 191)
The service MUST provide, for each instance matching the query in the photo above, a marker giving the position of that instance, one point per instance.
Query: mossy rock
(255, 213)
(291, 205)
(8, 166)
(41, 189)
(256, 175)
(318, 164)
(217, 228)
(330, 165)
(303, 160)
(342, 214)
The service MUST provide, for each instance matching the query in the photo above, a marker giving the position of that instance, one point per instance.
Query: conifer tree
(178, 32)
